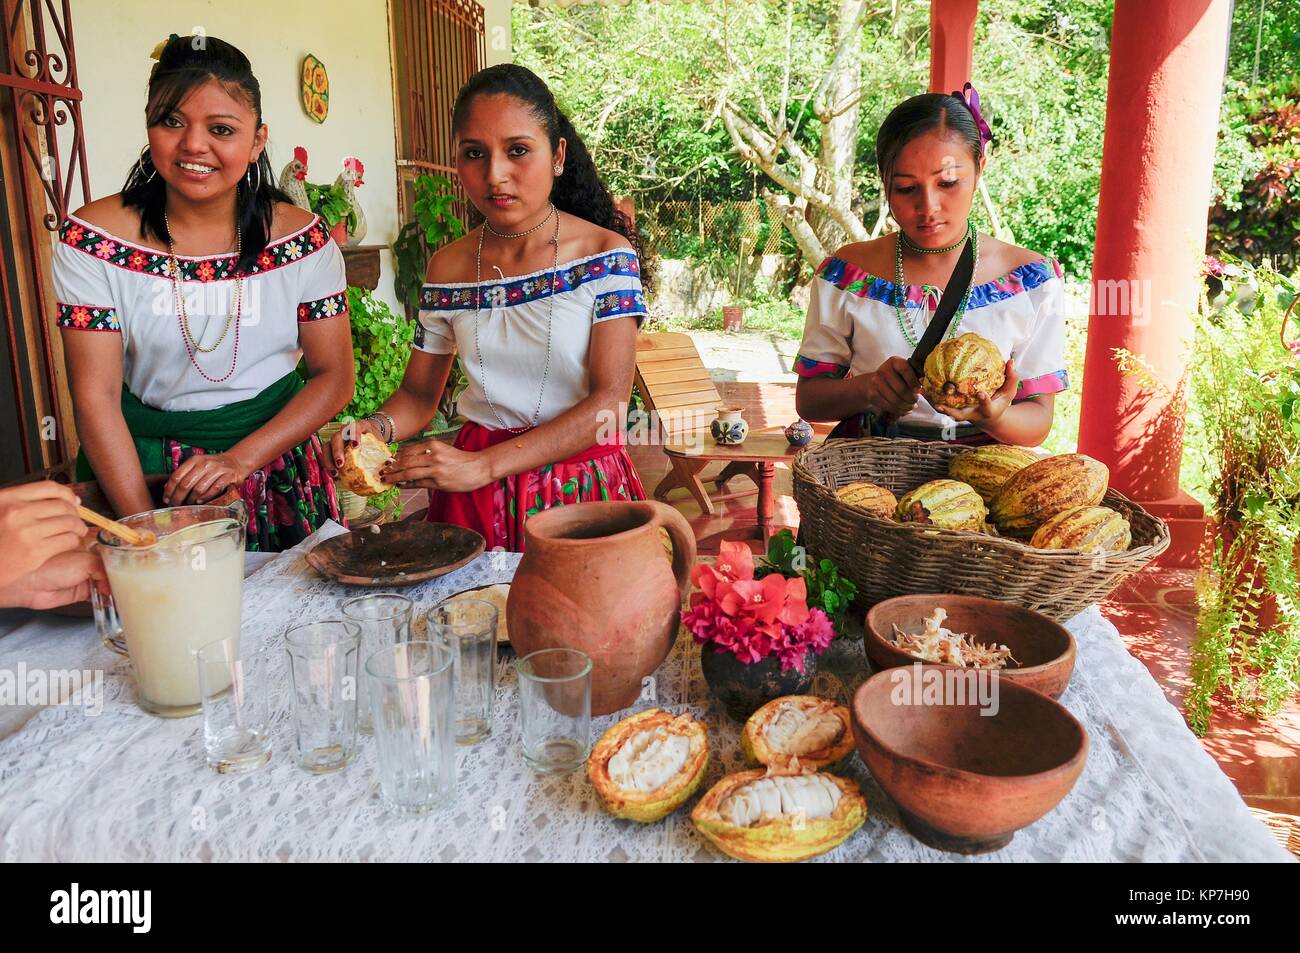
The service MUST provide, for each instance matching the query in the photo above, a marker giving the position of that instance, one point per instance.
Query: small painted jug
(729, 428)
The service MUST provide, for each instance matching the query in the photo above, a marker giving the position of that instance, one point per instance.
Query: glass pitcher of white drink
(174, 597)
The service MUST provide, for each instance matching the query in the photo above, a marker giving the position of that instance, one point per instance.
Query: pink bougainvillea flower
(735, 561)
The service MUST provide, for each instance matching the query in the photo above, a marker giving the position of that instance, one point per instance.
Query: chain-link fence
(693, 228)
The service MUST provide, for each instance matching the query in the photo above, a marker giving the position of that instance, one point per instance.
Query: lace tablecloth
(124, 785)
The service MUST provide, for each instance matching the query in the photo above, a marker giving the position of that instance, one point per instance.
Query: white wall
(114, 39)
(496, 19)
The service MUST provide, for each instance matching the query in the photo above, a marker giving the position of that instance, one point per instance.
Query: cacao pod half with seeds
(947, 504)
(1089, 529)
(647, 765)
(986, 469)
(957, 371)
(814, 730)
(1047, 487)
(776, 815)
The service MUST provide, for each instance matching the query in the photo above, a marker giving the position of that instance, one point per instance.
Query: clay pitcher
(595, 577)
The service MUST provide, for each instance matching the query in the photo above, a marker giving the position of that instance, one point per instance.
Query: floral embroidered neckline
(859, 282)
(81, 235)
(458, 295)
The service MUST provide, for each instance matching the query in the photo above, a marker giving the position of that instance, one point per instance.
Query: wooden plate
(400, 554)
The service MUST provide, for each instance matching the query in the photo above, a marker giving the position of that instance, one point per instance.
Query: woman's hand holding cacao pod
(892, 388)
(991, 406)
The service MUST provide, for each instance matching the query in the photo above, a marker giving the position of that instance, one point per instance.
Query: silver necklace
(526, 231)
(478, 301)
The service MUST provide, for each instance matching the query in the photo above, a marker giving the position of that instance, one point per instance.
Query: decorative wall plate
(315, 89)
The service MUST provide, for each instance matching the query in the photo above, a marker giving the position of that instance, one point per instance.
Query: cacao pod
(875, 500)
(958, 370)
(361, 466)
(947, 504)
(1089, 529)
(987, 468)
(1045, 488)
(647, 765)
(773, 815)
(814, 730)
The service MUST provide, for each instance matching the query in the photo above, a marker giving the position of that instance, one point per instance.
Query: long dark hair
(919, 115)
(579, 190)
(186, 63)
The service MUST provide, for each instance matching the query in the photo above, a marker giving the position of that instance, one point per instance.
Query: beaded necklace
(900, 290)
(192, 346)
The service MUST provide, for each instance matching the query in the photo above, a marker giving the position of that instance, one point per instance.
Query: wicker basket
(1284, 827)
(885, 558)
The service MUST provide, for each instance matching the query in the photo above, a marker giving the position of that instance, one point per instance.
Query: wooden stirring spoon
(132, 537)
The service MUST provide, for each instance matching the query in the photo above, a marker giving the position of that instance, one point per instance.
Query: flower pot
(729, 428)
(733, 317)
(745, 688)
(340, 233)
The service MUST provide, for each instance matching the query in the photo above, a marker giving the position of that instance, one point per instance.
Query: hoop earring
(139, 163)
(249, 176)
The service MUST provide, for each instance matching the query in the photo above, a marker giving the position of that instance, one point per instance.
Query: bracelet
(392, 425)
(385, 433)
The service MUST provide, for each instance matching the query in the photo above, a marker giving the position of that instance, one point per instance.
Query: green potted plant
(1244, 409)
(332, 204)
(381, 345)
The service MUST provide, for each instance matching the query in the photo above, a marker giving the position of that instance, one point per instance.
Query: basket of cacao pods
(908, 516)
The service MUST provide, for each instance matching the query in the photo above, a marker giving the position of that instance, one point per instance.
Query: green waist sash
(214, 430)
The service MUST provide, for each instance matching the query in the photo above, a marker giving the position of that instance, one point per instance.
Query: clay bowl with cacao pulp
(967, 768)
(1043, 650)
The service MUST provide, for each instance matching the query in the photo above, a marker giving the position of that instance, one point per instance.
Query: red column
(952, 37)
(1162, 107)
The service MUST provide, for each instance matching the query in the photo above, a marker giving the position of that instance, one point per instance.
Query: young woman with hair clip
(862, 326)
(542, 302)
(186, 301)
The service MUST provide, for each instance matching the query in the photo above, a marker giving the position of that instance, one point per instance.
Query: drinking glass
(555, 709)
(233, 689)
(323, 658)
(385, 619)
(413, 707)
(468, 627)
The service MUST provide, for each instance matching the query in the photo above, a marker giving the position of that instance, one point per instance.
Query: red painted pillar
(952, 38)
(1162, 108)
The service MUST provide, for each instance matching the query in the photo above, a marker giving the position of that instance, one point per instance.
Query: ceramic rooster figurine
(350, 178)
(293, 180)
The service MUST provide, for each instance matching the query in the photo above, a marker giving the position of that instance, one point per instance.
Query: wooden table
(756, 458)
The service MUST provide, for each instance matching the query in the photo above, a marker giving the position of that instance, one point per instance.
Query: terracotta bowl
(1044, 649)
(963, 780)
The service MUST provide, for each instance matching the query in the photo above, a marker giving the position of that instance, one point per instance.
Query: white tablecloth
(124, 785)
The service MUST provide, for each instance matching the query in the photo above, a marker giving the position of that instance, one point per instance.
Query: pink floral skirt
(288, 499)
(499, 510)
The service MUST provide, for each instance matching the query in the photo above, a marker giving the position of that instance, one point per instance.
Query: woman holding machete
(862, 327)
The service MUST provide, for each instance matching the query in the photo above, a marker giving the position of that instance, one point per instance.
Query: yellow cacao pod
(948, 504)
(771, 816)
(647, 765)
(987, 468)
(867, 496)
(816, 731)
(1047, 487)
(1089, 529)
(958, 370)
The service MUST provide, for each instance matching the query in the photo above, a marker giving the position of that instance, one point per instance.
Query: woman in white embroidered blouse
(862, 327)
(542, 302)
(206, 286)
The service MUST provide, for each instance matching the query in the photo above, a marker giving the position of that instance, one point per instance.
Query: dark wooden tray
(400, 554)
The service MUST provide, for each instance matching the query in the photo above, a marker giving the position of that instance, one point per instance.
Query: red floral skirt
(500, 509)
